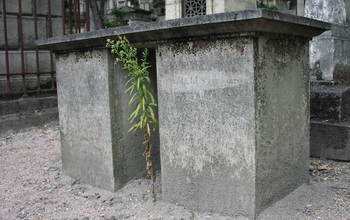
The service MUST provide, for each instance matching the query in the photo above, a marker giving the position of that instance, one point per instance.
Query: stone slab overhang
(148, 34)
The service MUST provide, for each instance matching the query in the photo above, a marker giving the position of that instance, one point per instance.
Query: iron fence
(24, 69)
(76, 16)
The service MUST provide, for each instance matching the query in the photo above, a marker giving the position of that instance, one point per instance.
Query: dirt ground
(32, 186)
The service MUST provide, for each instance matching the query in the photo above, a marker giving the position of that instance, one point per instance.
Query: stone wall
(233, 97)
(330, 52)
(330, 72)
(204, 123)
(234, 119)
(94, 110)
(334, 11)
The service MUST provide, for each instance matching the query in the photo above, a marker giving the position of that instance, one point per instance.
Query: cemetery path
(32, 186)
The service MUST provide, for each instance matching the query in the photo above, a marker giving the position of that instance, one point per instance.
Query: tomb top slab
(259, 20)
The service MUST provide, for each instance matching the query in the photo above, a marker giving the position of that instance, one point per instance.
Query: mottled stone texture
(330, 52)
(93, 110)
(334, 11)
(330, 64)
(330, 55)
(234, 122)
(330, 116)
(330, 140)
(281, 117)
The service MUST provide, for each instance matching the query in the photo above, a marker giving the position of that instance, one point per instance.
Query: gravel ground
(32, 187)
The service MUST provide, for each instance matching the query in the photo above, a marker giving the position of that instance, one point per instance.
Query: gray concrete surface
(22, 113)
(334, 11)
(206, 116)
(329, 54)
(34, 187)
(220, 103)
(29, 104)
(330, 140)
(93, 108)
(330, 72)
(330, 51)
(281, 117)
(330, 102)
(330, 114)
(234, 122)
(15, 122)
(225, 24)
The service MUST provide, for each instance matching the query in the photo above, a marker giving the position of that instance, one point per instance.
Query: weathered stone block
(173, 9)
(233, 94)
(93, 108)
(330, 64)
(329, 54)
(236, 5)
(334, 11)
(331, 103)
(330, 140)
(234, 119)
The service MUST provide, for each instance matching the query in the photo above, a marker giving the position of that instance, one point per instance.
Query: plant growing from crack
(138, 86)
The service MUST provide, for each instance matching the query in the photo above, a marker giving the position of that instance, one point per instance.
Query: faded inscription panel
(206, 115)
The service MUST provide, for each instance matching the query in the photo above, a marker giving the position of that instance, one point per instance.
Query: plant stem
(149, 161)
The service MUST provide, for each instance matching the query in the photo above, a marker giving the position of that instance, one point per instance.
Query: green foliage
(118, 12)
(118, 18)
(114, 23)
(134, 2)
(138, 84)
(119, 15)
(262, 4)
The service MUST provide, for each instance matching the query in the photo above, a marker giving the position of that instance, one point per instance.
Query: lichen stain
(195, 46)
(208, 105)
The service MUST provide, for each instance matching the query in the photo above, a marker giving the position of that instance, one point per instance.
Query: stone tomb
(233, 93)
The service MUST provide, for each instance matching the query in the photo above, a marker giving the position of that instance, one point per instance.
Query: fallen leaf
(143, 201)
(192, 217)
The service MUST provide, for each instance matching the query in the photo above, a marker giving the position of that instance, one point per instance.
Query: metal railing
(76, 16)
(24, 69)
